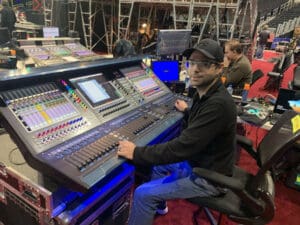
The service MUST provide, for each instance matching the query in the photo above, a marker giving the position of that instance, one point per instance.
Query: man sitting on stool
(208, 141)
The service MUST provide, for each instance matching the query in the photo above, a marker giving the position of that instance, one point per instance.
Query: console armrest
(274, 74)
(219, 179)
(246, 144)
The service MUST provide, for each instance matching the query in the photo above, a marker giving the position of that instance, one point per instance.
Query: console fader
(69, 127)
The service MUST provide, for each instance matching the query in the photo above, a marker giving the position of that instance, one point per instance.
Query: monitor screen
(282, 104)
(96, 89)
(145, 84)
(166, 70)
(171, 42)
(50, 32)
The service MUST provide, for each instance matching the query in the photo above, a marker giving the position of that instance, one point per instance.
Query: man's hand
(226, 62)
(126, 149)
(181, 105)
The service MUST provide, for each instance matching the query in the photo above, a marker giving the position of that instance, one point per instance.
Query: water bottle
(245, 93)
(230, 89)
(187, 82)
(223, 79)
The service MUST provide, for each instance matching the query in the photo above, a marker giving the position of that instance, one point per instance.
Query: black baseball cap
(208, 47)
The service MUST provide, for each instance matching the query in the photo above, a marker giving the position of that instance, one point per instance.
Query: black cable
(256, 137)
(11, 160)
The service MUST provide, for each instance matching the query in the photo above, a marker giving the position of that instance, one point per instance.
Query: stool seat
(249, 199)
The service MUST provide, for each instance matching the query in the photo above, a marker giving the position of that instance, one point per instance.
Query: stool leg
(220, 219)
(196, 214)
(208, 214)
(210, 217)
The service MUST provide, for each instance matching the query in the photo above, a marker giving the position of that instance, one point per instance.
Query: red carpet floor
(287, 200)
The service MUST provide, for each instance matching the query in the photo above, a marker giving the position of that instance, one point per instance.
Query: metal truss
(219, 19)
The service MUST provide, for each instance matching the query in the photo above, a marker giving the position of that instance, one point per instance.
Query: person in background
(208, 141)
(237, 68)
(151, 46)
(263, 37)
(123, 48)
(295, 43)
(7, 16)
(142, 41)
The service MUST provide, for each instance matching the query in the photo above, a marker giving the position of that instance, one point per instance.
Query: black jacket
(264, 35)
(207, 142)
(8, 18)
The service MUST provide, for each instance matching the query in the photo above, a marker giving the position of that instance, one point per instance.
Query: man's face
(201, 70)
(231, 55)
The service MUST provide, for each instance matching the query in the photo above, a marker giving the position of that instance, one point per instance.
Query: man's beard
(207, 81)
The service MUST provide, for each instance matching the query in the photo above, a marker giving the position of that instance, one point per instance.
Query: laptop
(167, 70)
(282, 104)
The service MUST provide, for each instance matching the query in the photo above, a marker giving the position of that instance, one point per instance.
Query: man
(237, 68)
(208, 141)
(263, 37)
(7, 16)
(123, 48)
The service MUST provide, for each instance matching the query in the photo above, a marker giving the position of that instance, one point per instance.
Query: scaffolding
(72, 14)
(48, 11)
(218, 19)
(92, 12)
(89, 12)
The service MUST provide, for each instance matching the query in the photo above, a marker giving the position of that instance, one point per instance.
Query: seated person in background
(237, 68)
(295, 44)
(208, 141)
(142, 41)
(123, 48)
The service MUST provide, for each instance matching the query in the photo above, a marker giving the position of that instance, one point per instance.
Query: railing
(287, 26)
(268, 16)
(182, 1)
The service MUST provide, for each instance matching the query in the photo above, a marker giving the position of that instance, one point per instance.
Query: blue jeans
(168, 182)
(260, 51)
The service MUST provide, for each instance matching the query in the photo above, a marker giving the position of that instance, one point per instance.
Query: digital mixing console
(80, 51)
(41, 56)
(68, 125)
(53, 51)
